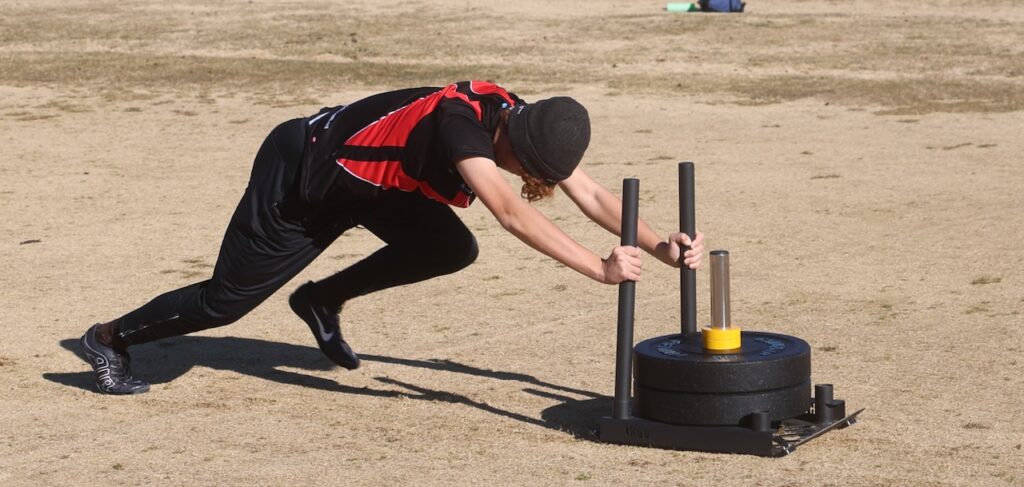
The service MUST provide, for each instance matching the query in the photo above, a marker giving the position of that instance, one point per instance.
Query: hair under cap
(549, 137)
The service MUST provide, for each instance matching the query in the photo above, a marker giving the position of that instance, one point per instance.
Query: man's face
(505, 157)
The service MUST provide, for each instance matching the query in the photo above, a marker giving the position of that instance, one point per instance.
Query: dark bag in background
(722, 5)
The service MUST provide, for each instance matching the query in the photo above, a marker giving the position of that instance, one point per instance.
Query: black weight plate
(720, 409)
(764, 361)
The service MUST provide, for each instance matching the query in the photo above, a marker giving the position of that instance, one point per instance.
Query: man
(393, 163)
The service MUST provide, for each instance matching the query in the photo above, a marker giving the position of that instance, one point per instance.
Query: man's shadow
(169, 359)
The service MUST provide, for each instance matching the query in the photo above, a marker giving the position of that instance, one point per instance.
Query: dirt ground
(860, 160)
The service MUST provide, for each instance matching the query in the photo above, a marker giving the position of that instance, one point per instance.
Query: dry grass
(900, 64)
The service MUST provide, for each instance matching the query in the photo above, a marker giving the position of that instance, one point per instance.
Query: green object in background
(682, 7)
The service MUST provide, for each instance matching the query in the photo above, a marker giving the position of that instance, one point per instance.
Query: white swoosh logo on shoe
(324, 335)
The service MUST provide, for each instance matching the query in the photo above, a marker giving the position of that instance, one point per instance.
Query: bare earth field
(860, 160)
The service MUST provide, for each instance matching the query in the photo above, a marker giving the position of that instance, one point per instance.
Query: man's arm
(605, 209)
(534, 229)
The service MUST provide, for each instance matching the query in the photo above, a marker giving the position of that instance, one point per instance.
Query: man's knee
(215, 320)
(455, 254)
(222, 312)
(469, 252)
(218, 305)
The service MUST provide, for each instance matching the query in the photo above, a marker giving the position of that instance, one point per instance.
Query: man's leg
(424, 239)
(261, 251)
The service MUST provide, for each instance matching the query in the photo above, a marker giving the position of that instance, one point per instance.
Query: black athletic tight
(270, 239)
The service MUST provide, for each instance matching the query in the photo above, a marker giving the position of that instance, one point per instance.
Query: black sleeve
(461, 135)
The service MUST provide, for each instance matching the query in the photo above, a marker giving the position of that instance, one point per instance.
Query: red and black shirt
(406, 140)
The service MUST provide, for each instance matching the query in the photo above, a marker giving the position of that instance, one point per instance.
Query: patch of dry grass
(896, 65)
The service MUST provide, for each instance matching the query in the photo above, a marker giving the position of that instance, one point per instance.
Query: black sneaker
(113, 368)
(323, 322)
